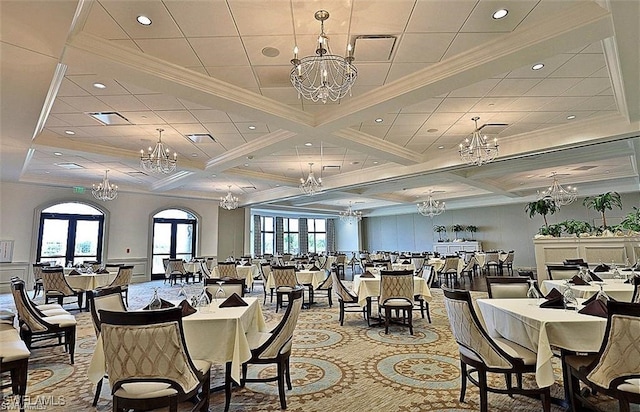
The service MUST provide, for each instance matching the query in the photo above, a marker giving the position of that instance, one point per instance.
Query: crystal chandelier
(310, 185)
(477, 150)
(324, 76)
(229, 202)
(431, 207)
(157, 160)
(350, 215)
(105, 191)
(559, 194)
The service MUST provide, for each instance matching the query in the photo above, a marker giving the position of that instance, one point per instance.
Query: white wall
(347, 239)
(499, 227)
(128, 227)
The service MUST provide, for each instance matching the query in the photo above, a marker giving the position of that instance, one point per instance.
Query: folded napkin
(187, 309)
(602, 268)
(406, 262)
(595, 308)
(314, 268)
(577, 280)
(592, 298)
(557, 303)
(367, 274)
(594, 276)
(233, 301)
(163, 305)
(554, 294)
(102, 271)
(74, 272)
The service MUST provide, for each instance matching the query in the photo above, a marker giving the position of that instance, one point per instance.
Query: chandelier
(310, 185)
(157, 160)
(477, 150)
(229, 202)
(350, 215)
(431, 207)
(105, 191)
(324, 76)
(559, 194)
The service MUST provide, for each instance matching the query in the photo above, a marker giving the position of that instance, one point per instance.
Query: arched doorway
(174, 236)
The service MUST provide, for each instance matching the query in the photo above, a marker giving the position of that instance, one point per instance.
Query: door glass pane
(161, 238)
(321, 242)
(293, 225)
(268, 224)
(291, 244)
(54, 239)
(268, 243)
(312, 242)
(86, 238)
(320, 225)
(158, 266)
(184, 239)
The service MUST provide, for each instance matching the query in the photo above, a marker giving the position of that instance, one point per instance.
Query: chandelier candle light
(477, 150)
(324, 76)
(105, 191)
(230, 201)
(350, 215)
(310, 185)
(431, 207)
(157, 160)
(559, 194)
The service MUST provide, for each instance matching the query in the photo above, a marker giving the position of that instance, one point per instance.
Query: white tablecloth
(370, 287)
(403, 266)
(615, 288)
(91, 281)
(218, 336)
(244, 272)
(538, 329)
(305, 277)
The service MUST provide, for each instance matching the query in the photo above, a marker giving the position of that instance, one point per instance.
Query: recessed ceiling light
(440, 147)
(379, 120)
(308, 144)
(537, 66)
(213, 175)
(99, 85)
(246, 165)
(355, 163)
(69, 132)
(57, 153)
(270, 52)
(432, 130)
(252, 127)
(375, 163)
(499, 14)
(46, 173)
(571, 117)
(144, 20)
(277, 185)
(194, 154)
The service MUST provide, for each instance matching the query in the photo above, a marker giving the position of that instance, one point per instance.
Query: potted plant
(632, 220)
(545, 206)
(472, 229)
(457, 228)
(440, 230)
(603, 202)
(552, 230)
(575, 227)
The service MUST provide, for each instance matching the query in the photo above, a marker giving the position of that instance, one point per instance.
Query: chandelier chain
(105, 190)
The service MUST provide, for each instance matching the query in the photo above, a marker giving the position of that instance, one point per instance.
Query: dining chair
(507, 287)
(347, 299)
(227, 270)
(615, 369)
(396, 293)
(55, 330)
(493, 260)
(635, 281)
(123, 280)
(148, 362)
(324, 290)
(57, 287)
(339, 265)
(175, 269)
(265, 271)
(469, 268)
(482, 353)
(561, 272)
(14, 358)
(575, 262)
(285, 280)
(418, 263)
(422, 304)
(229, 286)
(38, 284)
(508, 262)
(108, 298)
(42, 309)
(272, 348)
(449, 270)
(167, 274)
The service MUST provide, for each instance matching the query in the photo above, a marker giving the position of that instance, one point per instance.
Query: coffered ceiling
(425, 68)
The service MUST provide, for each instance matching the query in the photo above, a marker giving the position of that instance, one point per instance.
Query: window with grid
(291, 236)
(317, 235)
(267, 231)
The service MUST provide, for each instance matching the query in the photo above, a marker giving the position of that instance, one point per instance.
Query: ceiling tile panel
(467, 41)
(125, 13)
(581, 65)
(339, 16)
(552, 87)
(481, 20)
(371, 17)
(176, 51)
(220, 51)
(124, 102)
(442, 17)
(101, 24)
(160, 102)
(255, 44)
(423, 47)
(202, 18)
(261, 18)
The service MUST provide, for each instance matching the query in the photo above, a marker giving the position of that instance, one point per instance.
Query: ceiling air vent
(330, 168)
(69, 166)
(584, 168)
(201, 138)
(248, 187)
(492, 128)
(374, 48)
(110, 118)
(137, 174)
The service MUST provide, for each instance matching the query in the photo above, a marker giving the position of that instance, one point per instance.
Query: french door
(172, 239)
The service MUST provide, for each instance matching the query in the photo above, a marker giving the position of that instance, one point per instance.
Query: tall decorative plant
(440, 230)
(472, 229)
(632, 220)
(457, 228)
(545, 206)
(603, 202)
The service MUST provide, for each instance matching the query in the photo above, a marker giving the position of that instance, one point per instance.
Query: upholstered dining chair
(421, 303)
(418, 263)
(177, 270)
(57, 287)
(230, 286)
(635, 298)
(324, 290)
(615, 369)
(469, 269)
(347, 299)
(108, 298)
(449, 270)
(148, 363)
(285, 280)
(480, 353)
(14, 359)
(493, 260)
(507, 287)
(561, 272)
(53, 330)
(272, 348)
(123, 279)
(42, 309)
(385, 264)
(507, 263)
(227, 270)
(396, 293)
(265, 272)
(38, 284)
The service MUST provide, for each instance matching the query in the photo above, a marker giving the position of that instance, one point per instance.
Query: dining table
(541, 330)
(246, 272)
(218, 335)
(89, 281)
(614, 288)
(367, 288)
(310, 278)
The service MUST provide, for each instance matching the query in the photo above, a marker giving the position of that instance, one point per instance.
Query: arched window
(174, 236)
(70, 233)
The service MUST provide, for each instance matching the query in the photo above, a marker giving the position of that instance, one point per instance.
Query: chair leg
(281, 372)
(387, 315)
(227, 387)
(70, 338)
(341, 312)
(482, 383)
(97, 395)
(463, 378)
(428, 314)
(507, 379)
(410, 319)
(287, 369)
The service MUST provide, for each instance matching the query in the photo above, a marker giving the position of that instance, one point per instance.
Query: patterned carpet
(350, 367)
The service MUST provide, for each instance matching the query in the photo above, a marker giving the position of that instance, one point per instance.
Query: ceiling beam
(461, 178)
(374, 146)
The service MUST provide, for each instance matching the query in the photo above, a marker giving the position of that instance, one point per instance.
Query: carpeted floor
(350, 367)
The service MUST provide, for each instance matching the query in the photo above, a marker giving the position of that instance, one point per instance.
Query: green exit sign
(78, 189)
